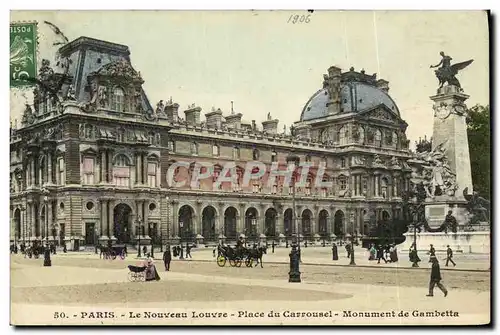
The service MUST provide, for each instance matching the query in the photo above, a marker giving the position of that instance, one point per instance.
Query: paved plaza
(80, 285)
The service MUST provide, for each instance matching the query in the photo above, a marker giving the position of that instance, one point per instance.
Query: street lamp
(95, 239)
(181, 226)
(138, 234)
(46, 256)
(294, 274)
(152, 236)
(352, 239)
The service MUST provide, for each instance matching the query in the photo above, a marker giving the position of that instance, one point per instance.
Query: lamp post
(152, 236)
(294, 274)
(138, 234)
(352, 239)
(46, 256)
(23, 209)
(95, 239)
(181, 226)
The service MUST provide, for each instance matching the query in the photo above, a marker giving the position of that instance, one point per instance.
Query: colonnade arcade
(216, 220)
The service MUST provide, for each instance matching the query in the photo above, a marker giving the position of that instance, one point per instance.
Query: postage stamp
(23, 53)
(334, 170)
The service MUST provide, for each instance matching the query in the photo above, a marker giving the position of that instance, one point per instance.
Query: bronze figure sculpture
(446, 72)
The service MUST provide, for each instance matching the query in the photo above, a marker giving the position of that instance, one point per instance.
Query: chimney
(383, 85)
(193, 115)
(270, 126)
(172, 111)
(234, 121)
(254, 125)
(332, 85)
(214, 119)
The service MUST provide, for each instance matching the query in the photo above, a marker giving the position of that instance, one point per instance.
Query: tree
(478, 133)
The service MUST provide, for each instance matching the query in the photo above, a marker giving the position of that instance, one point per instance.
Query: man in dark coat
(167, 258)
(449, 256)
(432, 251)
(348, 249)
(272, 245)
(188, 251)
(436, 278)
(335, 254)
(380, 254)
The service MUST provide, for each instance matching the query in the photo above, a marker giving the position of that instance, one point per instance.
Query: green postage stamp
(23, 44)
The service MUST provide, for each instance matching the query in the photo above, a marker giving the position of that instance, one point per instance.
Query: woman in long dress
(151, 273)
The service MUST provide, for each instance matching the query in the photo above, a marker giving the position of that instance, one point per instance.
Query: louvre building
(90, 155)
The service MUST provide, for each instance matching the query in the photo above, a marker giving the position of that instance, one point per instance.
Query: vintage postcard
(249, 168)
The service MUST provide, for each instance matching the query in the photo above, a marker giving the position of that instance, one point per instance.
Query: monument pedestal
(477, 242)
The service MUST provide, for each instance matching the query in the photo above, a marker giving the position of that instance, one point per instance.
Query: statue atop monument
(446, 72)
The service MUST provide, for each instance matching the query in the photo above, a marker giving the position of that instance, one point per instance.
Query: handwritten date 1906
(299, 19)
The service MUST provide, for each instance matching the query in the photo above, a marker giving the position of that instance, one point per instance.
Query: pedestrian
(393, 253)
(380, 254)
(335, 254)
(65, 250)
(436, 278)
(449, 256)
(181, 252)
(305, 244)
(432, 251)
(144, 250)
(167, 258)
(188, 251)
(348, 249)
(272, 245)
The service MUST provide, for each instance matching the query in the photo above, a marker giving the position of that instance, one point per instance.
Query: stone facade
(91, 165)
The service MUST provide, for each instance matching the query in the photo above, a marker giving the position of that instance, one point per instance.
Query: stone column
(33, 220)
(109, 166)
(377, 185)
(145, 214)
(32, 171)
(49, 168)
(353, 185)
(280, 225)
(137, 168)
(103, 166)
(104, 218)
(144, 168)
(111, 233)
(175, 218)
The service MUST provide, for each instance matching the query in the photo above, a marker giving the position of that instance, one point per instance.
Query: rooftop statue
(446, 72)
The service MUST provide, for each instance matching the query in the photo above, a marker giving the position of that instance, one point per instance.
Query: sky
(266, 64)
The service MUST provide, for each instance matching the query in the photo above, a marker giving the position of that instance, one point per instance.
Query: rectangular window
(236, 153)
(60, 172)
(275, 189)
(323, 192)
(308, 187)
(88, 171)
(215, 150)
(152, 174)
(255, 187)
(171, 146)
(343, 183)
(121, 175)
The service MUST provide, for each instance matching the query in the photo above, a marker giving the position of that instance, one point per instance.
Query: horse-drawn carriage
(237, 255)
(117, 250)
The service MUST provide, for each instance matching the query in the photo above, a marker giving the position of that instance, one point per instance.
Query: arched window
(121, 171)
(118, 100)
(378, 138)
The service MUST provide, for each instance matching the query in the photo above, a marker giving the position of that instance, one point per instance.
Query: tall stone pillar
(353, 186)
(137, 168)
(377, 185)
(49, 168)
(103, 167)
(111, 222)
(145, 214)
(450, 132)
(109, 166)
(144, 168)
(32, 171)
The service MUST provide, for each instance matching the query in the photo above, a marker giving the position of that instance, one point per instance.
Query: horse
(257, 254)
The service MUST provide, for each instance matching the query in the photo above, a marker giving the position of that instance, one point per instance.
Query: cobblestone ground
(84, 284)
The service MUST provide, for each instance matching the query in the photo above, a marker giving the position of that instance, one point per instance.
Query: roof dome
(355, 97)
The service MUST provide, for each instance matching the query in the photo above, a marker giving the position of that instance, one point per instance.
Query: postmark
(23, 52)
